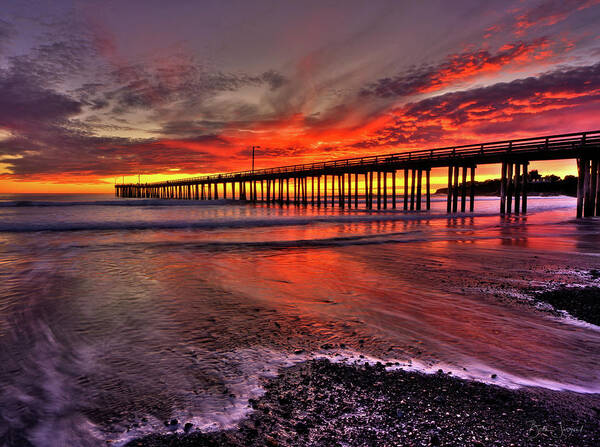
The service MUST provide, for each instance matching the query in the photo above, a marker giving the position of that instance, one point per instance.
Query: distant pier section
(341, 182)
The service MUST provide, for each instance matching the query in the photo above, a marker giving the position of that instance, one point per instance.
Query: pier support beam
(593, 186)
(405, 189)
(509, 187)
(580, 175)
(412, 189)
(342, 190)
(597, 187)
(586, 188)
(419, 192)
(356, 190)
(524, 182)
(378, 190)
(455, 190)
(428, 188)
(449, 192)
(394, 189)
(472, 191)
(517, 188)
(371, 190)
(463, 193)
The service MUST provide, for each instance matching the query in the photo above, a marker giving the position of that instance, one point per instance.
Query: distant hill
(548, 185)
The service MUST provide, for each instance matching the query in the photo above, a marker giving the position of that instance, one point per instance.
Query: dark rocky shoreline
(581, 302)
(318, 403)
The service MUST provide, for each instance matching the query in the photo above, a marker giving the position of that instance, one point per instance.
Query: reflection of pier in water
(339, 181)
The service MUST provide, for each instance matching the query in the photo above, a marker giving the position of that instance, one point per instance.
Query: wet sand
(319, 403)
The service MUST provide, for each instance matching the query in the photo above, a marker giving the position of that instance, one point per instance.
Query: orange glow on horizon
(106, 186)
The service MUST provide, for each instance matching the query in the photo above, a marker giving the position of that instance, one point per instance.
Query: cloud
(25, 106)
(184, 83)
(456, 68)
(494, 109)
(51, 132)
(7, 31)
(549, 13)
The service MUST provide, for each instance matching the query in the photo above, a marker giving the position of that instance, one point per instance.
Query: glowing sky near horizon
(93, 90)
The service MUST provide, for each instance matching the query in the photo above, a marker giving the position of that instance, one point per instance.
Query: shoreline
(318, 403)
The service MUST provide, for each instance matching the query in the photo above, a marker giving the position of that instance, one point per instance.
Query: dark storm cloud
(7, 31)
(31, 106)
(26, 106)
(456, 67)
(187, 84)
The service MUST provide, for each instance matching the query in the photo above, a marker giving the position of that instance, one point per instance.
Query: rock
(187, 427)
(327, 346)
(301, 428)
(285, 400)
(174, 422)
(434, 439)
(493, 376)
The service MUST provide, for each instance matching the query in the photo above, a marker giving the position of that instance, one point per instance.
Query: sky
(93, 92)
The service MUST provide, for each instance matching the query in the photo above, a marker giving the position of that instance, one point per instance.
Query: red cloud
(503, 107)
(460, 67)
(550, 13)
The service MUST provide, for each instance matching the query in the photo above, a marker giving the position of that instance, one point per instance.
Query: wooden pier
(370, 176)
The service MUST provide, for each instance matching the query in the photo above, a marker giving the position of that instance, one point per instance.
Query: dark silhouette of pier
(340, 182)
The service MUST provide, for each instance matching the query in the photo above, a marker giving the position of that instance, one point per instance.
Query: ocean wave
(30, 227)
(126, 203)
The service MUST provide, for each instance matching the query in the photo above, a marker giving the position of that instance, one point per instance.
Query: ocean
(117, 315)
